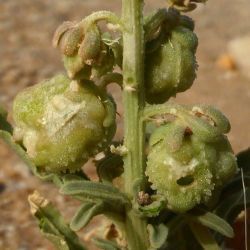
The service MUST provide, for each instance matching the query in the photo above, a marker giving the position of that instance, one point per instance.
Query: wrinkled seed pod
(171, 68)
(60, 31)
(70, 41)
(61, 123)
(188, 175)
(91, 44)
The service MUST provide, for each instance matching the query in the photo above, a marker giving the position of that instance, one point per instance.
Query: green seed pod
(62, 123)
(187, 173)
(171, 68)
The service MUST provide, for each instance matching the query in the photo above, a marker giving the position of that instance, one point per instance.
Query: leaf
(105, 244)
(52, 224)
(96, 192)
(157, 235)
(203, 236)
(153, 209)
(85, 213)
(213, 222)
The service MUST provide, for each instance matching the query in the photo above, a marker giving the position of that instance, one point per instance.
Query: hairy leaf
(213, 222)
(95, 192)
(85, 213)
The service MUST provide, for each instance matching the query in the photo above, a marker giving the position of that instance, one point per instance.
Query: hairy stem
(133, 98)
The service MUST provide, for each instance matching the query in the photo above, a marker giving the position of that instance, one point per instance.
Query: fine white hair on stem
(245, 206)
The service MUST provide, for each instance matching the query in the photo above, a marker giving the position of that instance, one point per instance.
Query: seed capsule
(61, 123)
(171, 67)
(187, 173)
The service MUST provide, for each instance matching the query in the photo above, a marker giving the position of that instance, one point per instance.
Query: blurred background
(27, 57)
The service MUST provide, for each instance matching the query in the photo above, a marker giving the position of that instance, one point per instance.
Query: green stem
(113, 77)
(133, 98)
(103, 15)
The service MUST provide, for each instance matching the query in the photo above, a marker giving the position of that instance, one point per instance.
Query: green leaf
(157, 235)
(105, 244)
(85, 213)
(52, 224)
(153, 209)
(213, 222)
(203, 236)
(95, 192)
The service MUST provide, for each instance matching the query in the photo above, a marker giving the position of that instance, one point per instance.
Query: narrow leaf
(105, 244)
(203, 236)
(157, 235)
(85, 213)
(96, 192)
(52, 224)
(214, 222)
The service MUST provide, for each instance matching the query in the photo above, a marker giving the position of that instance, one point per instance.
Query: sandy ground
(27, 56)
